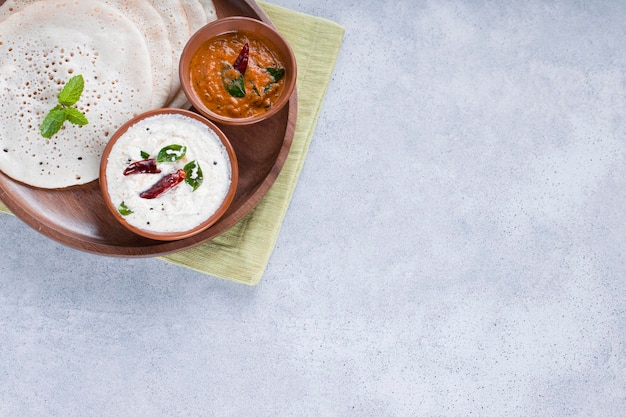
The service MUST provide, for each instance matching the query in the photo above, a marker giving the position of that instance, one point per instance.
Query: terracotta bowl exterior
(173, 235)
(233, 24)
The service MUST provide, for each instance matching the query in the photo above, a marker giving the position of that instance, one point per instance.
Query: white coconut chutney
(181, 208)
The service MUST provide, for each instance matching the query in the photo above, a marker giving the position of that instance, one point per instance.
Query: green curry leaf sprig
(68, 97)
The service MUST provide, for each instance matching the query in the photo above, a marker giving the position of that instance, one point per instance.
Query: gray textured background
(455, 245)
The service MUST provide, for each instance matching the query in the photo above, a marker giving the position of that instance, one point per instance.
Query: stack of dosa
(127, 52)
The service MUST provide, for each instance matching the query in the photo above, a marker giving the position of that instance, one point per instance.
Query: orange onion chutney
(237, 74)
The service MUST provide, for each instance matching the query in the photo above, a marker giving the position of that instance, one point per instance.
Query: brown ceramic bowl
(118, 164)
(266, 34)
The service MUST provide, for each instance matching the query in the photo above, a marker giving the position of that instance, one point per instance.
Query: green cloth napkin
(241, 254)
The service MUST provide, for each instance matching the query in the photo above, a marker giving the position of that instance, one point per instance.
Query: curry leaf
(171, 153)
(276, 73)
(194, 175)
(233, 82)
(123, 210)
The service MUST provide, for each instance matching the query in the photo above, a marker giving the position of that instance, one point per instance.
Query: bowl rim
(226, 25)
(169, 236)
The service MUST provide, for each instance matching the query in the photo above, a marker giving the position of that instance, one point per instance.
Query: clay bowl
(248, 27)
(140, 215)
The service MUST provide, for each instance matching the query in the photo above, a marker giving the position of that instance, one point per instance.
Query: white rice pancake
(196, 15)
(175, 18)
(41, 47)
(6, 9)
(209, 10)
(152, 27)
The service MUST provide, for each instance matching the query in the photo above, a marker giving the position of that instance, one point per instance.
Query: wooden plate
(77, 216)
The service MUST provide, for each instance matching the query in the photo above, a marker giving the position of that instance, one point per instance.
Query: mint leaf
(171, 153)
(194, 175)
(52, 122)
(68, 96)
(75, 116)
(72, 91)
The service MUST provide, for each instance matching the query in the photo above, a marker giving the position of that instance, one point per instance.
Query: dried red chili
(164, 184)
(145, 166)
(241, 63)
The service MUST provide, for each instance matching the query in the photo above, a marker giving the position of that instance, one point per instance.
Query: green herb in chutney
(68, 97)
(194, 174)
(123, 210)
(171, 153)
(276, 73)
(233, 81)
